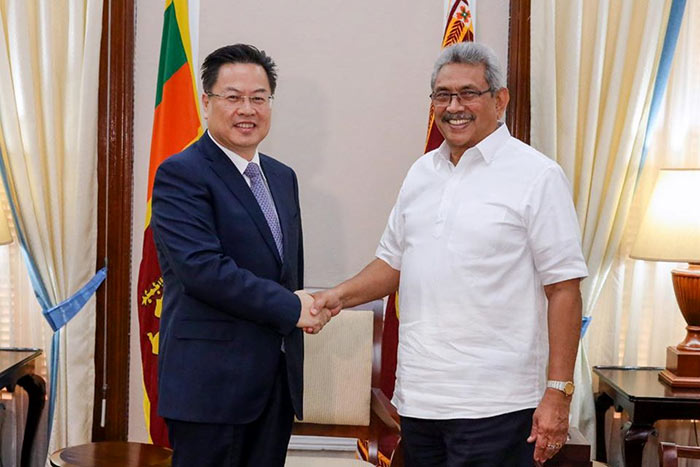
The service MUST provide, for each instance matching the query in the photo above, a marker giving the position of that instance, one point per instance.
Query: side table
(638, 392)
(17, 369)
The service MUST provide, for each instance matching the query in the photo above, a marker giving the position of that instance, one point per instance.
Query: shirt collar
(240, 162)
(487, 148)
(442, 154)
(491, 145)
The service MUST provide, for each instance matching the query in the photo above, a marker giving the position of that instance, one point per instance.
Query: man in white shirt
(484, 243)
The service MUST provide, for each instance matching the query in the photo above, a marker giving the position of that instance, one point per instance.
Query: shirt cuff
(392, 260)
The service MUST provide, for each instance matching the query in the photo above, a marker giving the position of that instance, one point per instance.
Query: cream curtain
(49, 63)
(637, 315)
(593, 68)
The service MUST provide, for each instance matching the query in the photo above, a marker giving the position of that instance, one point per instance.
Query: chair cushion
(315, 461)
(338, 370)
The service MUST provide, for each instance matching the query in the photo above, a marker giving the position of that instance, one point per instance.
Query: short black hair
(237, 53)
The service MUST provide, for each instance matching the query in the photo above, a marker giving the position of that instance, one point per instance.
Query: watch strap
(567, 387)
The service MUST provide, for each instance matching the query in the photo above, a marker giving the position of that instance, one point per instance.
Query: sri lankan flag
(176, 125)
(459, 28)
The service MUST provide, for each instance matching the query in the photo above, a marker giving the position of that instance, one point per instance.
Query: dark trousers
(499, 441)
(262, 442)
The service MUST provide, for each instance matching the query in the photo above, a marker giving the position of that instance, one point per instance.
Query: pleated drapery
(593, 70)
(637, 315)
(49, 65)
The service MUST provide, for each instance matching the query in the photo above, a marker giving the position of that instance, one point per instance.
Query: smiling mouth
(458, 120)
(245, 125)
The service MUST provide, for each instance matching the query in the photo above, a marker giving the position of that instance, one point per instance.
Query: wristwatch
(567, 387)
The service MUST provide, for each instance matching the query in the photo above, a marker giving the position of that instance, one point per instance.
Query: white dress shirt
(475, 244)
(241, 163)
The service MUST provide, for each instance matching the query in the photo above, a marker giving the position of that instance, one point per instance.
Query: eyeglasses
(234, 100)
(443, 98)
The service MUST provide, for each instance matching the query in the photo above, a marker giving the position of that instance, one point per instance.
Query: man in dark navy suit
(227, 228)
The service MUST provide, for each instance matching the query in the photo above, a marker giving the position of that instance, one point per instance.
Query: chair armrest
(386, 412)
(669, 453)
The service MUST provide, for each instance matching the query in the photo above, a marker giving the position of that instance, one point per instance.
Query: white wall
(350, 115)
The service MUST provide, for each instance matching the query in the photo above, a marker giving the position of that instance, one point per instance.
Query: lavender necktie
(257, 186)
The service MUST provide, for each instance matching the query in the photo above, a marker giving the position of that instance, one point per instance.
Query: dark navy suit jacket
(228, 303)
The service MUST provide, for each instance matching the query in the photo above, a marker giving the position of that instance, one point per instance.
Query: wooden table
(638, 392)
(17, 369)
(112, 454)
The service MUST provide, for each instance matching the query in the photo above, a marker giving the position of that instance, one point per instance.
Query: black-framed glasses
(443, 98)
(236, 100)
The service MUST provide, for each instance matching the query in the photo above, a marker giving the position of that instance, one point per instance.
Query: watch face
(569, 388)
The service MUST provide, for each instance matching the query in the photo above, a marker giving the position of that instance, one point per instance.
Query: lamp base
(682, 368)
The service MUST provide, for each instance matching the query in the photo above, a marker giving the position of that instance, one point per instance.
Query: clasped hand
(317, 310)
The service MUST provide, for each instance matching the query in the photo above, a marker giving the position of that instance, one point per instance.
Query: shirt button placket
(445, 205)
(450, 203)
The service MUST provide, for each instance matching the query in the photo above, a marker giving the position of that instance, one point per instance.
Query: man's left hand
(550, 425)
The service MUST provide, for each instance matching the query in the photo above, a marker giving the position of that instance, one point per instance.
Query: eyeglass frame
(460, 100)
(268, 100)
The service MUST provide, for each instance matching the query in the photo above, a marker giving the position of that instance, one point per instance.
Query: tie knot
(252, 170)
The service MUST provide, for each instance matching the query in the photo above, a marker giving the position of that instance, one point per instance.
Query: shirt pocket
(476, 230)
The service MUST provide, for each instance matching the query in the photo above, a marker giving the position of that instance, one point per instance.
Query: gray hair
(472, 53)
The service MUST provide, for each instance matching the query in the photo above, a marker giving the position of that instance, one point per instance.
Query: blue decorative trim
(59, 315)
(675, 18)
(585, 322)
(53, 378)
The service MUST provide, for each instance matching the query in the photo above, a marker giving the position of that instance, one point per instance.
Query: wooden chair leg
(397, 459)
(36, 390)
(373, 451)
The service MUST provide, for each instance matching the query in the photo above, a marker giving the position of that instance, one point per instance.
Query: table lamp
(670, 231)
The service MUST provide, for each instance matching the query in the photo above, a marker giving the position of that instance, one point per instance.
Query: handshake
(317, 309)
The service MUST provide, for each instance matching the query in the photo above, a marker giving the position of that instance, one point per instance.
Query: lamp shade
(5, 236)
(670, 229)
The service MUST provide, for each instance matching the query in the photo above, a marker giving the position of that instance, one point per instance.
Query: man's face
(464, 124)
(239, 127)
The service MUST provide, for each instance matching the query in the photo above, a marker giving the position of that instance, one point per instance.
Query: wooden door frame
(518, 112)
(115, 193)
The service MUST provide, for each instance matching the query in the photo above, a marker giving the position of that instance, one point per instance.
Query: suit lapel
(281, 197)
(234, 181)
